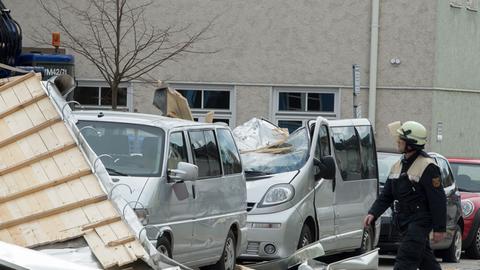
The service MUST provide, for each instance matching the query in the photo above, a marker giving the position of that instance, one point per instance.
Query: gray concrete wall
(459, 112)
(407, 32)
(458, 45)
(402, 105)
(252, 102)
(346, 102)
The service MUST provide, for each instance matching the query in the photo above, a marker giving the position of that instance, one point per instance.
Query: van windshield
(134, 150)
(292, 158)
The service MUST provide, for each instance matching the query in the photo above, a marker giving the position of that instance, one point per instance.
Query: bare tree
(117, 37)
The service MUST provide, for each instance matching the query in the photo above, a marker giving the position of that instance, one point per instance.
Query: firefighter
(415, 192)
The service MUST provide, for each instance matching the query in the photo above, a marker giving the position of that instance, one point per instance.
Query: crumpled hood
(258, 186)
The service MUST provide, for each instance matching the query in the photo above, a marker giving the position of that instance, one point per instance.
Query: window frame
(102, 84)
(192, 156)
(304, 116)
(220, 154)
(169, 143)
(359, 151)
(200, 113)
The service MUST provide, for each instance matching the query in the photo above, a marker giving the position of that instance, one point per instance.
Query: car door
(209, 234)
(453, 198)
(179, 212)
(357, 181)
(323, 198)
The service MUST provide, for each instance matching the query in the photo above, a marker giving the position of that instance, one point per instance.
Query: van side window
(177, 150)
(205, 153)
(229, 153)
(447, 178)
(347, 152)
(367, 152)
(323, 143)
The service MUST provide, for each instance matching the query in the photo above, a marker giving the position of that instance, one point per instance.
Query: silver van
(184, 179)
(320, 189)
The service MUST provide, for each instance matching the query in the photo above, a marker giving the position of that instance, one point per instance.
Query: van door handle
(193, 192)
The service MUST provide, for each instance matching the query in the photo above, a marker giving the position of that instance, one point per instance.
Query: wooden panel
(5, 111)
(51, 212)
(106, 258)
(41, 187)
(29, 131)
(47, 191)
(36, 159)
(16, 81)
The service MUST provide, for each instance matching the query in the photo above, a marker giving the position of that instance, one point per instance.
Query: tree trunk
(114, 95)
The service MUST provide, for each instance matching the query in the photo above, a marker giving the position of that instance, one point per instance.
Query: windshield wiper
(115, 172)
(255, 173)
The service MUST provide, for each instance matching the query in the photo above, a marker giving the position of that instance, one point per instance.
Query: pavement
(386, 263)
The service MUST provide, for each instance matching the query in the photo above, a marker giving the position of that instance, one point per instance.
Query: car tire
(454, 252)
(229, 255)
(164, 246)
(473, 251)
(306, 236)
(367, 241)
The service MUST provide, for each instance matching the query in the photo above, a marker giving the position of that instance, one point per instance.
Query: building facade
(290, 61)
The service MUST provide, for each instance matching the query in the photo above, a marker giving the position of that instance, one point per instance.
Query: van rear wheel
(306, 237)
(367, 241)
(454, 252)
(229, 255)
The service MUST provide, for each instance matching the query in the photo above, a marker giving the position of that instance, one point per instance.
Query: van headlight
(467, 208)
(277, 194)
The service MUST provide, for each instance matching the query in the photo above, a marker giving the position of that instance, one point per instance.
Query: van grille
(253, 248)
(250, 206)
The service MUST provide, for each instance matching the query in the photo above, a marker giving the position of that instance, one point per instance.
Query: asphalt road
(386, 263)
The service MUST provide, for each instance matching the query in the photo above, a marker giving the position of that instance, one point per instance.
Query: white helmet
(413, 133)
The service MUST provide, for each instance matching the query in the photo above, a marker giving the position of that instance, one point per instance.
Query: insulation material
(257, 134)
(48, 192)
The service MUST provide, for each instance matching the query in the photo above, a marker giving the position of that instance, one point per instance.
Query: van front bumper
(272, 236)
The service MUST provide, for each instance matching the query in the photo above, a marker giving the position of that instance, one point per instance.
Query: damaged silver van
(184, 179)
(319, 185)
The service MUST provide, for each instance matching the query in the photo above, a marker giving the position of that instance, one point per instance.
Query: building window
(97, 94)
(205, 98)
(293, 107)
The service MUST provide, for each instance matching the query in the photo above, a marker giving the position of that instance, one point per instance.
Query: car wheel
(454, 252)
(229, 255)
(473, 251)
(164, 246)
(367, 241)
(306, 237)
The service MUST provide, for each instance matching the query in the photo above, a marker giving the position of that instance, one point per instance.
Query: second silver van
(320, 189)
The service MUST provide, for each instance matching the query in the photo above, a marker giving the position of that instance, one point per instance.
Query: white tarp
(257, 133)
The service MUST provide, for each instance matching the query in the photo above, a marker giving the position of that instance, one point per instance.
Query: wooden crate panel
(47, 190)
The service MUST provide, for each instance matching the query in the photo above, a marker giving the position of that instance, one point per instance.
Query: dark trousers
(414, 251)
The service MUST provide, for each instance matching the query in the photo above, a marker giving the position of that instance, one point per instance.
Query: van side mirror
(326, 168)
(184, 172)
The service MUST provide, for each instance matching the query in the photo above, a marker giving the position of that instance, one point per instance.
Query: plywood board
(47, 190)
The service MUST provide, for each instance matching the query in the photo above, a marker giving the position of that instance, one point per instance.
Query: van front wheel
(306, 237)
(164, 246)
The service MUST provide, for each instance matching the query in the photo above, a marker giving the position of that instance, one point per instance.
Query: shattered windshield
(286, 157)
(131, 150)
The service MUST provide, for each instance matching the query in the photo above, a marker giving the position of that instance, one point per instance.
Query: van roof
(349, 122)
(138, 118)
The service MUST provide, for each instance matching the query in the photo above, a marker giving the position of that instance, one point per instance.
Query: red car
(467, 177)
